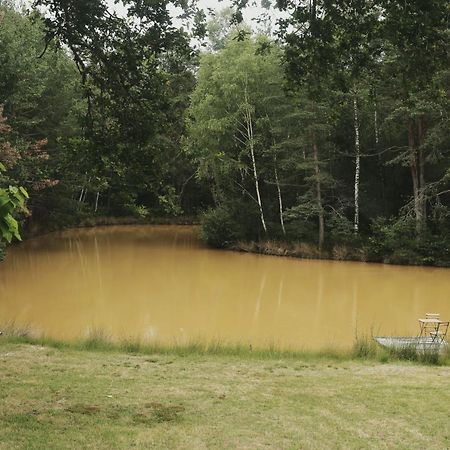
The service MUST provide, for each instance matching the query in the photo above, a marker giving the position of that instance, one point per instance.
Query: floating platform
(418, 343)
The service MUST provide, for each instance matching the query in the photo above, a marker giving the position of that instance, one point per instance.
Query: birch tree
(230, 119)
(250, 142)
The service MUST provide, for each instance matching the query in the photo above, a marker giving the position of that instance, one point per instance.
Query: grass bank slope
(67, 398)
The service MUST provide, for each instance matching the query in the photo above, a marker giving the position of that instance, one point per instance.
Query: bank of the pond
(33, 229)
(306, 250)
(300, 250)
(364, 348)
(68, 398)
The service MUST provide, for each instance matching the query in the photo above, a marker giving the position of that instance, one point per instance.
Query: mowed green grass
(66, 398)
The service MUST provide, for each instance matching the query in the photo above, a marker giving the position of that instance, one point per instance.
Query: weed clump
(364, 348)
(410, 353)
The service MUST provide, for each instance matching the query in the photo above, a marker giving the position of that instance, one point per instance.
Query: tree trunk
(421, 134)
(280, 200)
(380, 161)
(84, 197)
(251, 142)
(375, 125)
(414, 166)
(96, 201)
(357, 164)
(83, 200)
(318, 194)
(215, 189)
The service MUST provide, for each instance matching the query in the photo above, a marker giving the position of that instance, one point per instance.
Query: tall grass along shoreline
(363, 348)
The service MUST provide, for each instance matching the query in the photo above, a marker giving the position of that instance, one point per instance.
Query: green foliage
(396, 241)
(136, 77)
(220, 227)
(342, 231)
(106, 100)
(41, 100)
(170, 202)
(11, 198)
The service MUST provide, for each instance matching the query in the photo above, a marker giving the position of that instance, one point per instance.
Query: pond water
(161, 283)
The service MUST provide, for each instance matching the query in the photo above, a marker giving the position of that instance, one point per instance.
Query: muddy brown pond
(160, 283)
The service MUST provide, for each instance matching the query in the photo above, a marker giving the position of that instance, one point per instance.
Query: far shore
(271, 247)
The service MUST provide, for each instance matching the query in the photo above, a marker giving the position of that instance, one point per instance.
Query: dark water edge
(35, 229)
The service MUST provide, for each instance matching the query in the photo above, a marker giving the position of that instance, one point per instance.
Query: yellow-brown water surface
(160, 283)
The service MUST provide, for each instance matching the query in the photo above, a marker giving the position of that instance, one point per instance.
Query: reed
(364, 348)
(11, 330)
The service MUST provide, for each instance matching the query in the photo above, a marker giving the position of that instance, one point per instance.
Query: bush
(219, 227)
(342, 231)
(396, 241)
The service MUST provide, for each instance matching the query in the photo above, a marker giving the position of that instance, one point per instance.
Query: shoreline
(363, 349)
(305, 251)
(300, 250)
(297, 250)
(36, 230)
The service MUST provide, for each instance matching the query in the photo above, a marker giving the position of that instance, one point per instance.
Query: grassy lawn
(69, 398)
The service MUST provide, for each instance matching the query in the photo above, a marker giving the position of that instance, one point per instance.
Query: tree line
(334, 132)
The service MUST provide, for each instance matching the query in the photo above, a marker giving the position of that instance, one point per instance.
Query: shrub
(342, 231)
(396, 241)
(219, 228)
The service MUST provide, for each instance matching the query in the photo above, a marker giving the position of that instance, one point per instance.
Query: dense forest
(322, 133)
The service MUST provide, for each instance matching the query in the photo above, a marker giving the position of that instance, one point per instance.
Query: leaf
(13, 226)
(5, 233)
(24, 192)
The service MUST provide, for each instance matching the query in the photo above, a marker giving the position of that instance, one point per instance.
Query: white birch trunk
(96, 201)
(86, 191)
(280, 200)
(249, 126)
(357, 164)
(375, 124)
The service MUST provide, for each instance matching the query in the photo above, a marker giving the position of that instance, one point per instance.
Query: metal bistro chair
(433, 327)
(439, 335)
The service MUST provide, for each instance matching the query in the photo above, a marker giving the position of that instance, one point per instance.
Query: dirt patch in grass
(148, 413)
(159, 413)
(83, 409)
